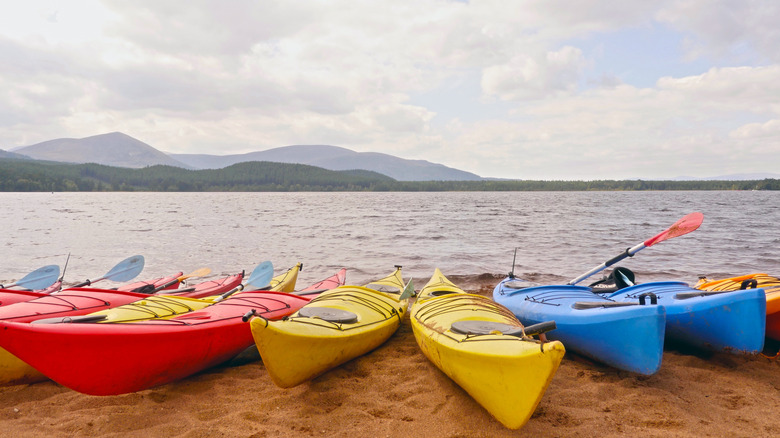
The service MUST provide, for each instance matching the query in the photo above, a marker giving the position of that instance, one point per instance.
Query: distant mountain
(113, 149)
(13, 156)
(121, 150)
(337, 158)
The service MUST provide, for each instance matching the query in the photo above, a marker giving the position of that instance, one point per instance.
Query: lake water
(471, 236)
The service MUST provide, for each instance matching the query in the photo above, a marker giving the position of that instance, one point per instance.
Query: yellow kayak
(15, 371)
(337, 326)
(771, 286)
(482, 346)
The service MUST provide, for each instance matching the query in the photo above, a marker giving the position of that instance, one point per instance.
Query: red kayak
(143, 286)
(208, 288)
(12, 296)
(332, 282)
(69, 302)
(84, 300)
(110, 359)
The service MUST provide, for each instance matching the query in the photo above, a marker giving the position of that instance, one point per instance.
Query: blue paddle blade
(126, 270)
(39, 278)
(262, 275)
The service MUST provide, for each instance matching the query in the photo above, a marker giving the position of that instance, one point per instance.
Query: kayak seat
(476, 327)
(519, 284)
(581, 305)
(440, 293)
(383, 288)
(328, 314)
(698, 293)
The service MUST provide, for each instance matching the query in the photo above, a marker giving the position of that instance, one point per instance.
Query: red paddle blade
(685, 225)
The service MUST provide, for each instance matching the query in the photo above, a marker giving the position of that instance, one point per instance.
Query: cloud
(684, 126)
(240, 76)
(743, 88)
(723, 28)
(755, 131)
(526, 77)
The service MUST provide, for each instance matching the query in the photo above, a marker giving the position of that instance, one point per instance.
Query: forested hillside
(252, 176)
(38, 176)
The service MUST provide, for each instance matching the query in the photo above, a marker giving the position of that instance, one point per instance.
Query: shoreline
(395, 391)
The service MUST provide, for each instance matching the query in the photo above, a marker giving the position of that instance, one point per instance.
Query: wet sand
(395, 392)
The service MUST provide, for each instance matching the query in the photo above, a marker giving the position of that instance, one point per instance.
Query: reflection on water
(471, 236)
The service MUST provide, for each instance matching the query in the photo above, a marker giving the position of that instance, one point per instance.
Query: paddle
(408, 291)
(38, 279)
(196, 273)
(125, 270)
(688, 223)
(259, 278)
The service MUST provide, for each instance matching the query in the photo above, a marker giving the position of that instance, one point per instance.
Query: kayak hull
(111, 359)
(507, 375)
(730, 322)
(629, 338)
(771, 286)
(14, 371)
(299, 348)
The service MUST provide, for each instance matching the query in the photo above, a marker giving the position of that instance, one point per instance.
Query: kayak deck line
(549, 297)
(367, 298)
(197, 317)
(65, 302)
(454, 304)
(149, 307)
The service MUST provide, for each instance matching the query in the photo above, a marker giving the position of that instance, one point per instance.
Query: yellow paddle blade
(202, 272)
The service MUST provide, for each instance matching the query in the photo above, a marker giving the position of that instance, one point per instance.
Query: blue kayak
(732, 321)
(627, 336)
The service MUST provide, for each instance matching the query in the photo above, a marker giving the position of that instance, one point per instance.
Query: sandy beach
(394, 391)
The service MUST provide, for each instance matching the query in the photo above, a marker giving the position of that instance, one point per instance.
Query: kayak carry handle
(653, 298)
(750, 283)
(248, 315)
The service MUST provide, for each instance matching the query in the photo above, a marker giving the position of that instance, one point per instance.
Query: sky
(527, 89)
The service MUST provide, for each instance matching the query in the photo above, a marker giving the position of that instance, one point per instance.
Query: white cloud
(240, 76)
(725, 28)
(526, 77)
(685, 126)
(748, 88)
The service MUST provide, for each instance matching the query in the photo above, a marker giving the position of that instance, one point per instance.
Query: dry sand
(395, 392)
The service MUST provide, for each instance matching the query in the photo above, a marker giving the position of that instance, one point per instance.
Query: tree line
(41, 176)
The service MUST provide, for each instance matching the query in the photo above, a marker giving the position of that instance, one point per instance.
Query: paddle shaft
(88, 282)
(229, 293)
(262, 275)
(627, 253)
(685, 225)
(197, 273)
